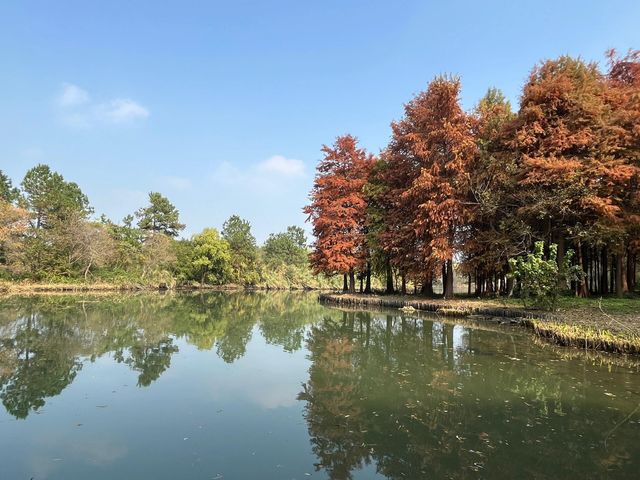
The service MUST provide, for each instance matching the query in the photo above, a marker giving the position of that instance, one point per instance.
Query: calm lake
(276, 386)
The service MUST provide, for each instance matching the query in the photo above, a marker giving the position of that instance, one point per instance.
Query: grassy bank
(606, 324)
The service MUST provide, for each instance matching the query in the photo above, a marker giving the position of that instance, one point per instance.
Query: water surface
(276, 386)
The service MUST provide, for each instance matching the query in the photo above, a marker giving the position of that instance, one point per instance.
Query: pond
(277, 386)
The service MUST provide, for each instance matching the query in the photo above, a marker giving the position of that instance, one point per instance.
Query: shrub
(542, 279)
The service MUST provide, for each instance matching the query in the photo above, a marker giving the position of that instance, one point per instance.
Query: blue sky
(223, 106)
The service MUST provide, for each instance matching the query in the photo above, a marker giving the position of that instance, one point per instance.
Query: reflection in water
(44, 339)
(386, 395)
(434, 400)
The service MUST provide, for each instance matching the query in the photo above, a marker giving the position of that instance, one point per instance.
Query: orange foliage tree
(338, 210)
(483, 187)
(431, 152)
(623, 147)
(571, 174)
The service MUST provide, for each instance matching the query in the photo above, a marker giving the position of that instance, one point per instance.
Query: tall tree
(211, 256)
(495, 233)
(244, 252)
(570, 172)
(52, 203)
(8, 192)
(623, 135)
(434, 147)
(289, 248)
(51, 199)
(338, 209)
(160, 216)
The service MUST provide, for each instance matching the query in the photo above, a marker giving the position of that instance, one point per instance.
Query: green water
(276, 386)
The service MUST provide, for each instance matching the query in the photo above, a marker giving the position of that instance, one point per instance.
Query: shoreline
(581, 328)
(11, 288)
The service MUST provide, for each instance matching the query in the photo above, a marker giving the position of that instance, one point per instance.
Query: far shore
(606, 324)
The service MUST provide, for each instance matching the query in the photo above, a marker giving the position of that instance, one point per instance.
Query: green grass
(629, 304)
(587, 337)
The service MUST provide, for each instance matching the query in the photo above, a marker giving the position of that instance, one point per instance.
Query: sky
(223, 106)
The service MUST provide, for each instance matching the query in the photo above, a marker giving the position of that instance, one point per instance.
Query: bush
(541, 280)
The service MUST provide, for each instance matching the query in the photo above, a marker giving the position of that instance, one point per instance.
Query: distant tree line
(479, 188)
(47, 233)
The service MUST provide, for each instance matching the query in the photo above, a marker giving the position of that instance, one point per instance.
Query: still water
(276, 386)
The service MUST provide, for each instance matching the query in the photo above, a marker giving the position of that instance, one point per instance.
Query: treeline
(47, 234)
(479, 188)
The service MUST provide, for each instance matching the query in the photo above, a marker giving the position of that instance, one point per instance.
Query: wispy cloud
(289, 167)
(76, 109)
(72, 96)
(267, 174)
(123, 110)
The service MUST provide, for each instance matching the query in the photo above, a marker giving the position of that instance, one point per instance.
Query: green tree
(160, 216)
(8, 192)
(288, 248)
(127, 244)
(211, 256)
(52, 203)
(244, 252)
(51, 199)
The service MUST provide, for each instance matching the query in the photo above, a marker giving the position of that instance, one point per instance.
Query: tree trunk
(631, 277)
(427, 285)
(619, 276)
(352, 281)
(581, 290)
(469, 285)
(345, 286)
(389, 272)
(361, 283)
(403, 289)
(444, 278)
(612, 275)
(510, 285)
(86, 271)
(448, 291)
(604, 281)
(478, 284)
(367, 287)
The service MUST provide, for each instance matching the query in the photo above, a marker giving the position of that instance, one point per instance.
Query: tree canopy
(160, 216)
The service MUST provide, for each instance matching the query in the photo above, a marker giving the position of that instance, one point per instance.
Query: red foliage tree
(623, 149)
(430, 154)
(338, 209)
(572, 172)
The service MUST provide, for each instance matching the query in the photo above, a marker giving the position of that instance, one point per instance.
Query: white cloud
(122, 110)
(77, 110)
(271, 174)
(72, 96)
(280, 165)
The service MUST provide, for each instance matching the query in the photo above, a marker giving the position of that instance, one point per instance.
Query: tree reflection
(40, 363)
(45, 340)
(151, 361)
(426, 399)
